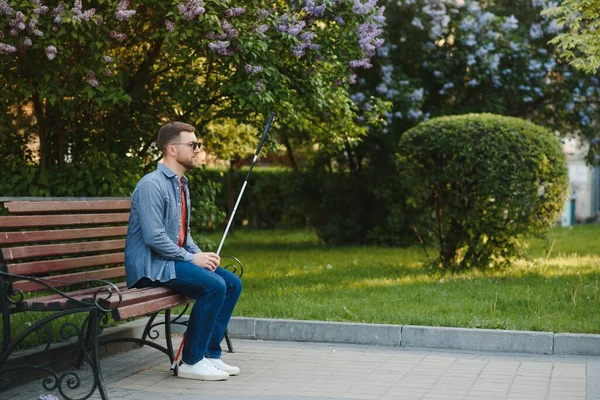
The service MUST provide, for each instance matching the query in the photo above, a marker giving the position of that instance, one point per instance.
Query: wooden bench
(64, 257)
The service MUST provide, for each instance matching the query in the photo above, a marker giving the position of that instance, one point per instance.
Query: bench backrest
(62, 241)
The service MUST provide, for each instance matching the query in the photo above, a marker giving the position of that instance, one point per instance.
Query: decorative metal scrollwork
(67, 383)
(109, 290)
(44, 332)
(20, 296)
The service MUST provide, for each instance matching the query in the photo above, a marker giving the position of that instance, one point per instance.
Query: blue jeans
(216, 294)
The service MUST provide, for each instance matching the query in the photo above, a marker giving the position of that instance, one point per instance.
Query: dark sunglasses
(193, 145)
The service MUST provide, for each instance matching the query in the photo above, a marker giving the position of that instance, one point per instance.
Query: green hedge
(343, 208)
(483, 182)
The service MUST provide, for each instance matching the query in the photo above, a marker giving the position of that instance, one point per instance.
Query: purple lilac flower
(27, 42)
(262, 14)
(123, 13)
(91, 79)
(253, 69)
(17, 22)
(51, 52)
(170, 26)
(261, 29)
(86, 15)
(7, 48)
(363, 8)
(314, 10)
(352, 79)
(13, 32)
(230, 31)
(234, 12)
(363, 63)
(31, 24)
(38, 33)
(289, 26)
(58, 11)
(5, 8)
(40, 10)
(298, 51)
(107, 59)
(220, 47)
(259, 86)
(107, 72)
(379, 18)
(340, 21)
(296, 29)
(79, 15)
(118, 36)
(191, 10)
(367, 38)
(307, 37)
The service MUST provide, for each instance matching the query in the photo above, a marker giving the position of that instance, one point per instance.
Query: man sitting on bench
(160, 251)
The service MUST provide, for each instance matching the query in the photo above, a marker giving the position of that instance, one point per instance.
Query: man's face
(187, 155)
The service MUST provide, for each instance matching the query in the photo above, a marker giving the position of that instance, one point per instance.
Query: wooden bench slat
(135, 296)
(43, 267)
(68, 279)
(32, 207)
(149, 307)
(61, 234)
(23, 252)
(35, 221)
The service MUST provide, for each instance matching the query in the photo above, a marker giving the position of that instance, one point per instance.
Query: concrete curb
(478, 339)
(416, 336)
(406, 336)
(573, 343)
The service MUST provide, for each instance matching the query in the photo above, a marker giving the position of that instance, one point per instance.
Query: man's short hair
(170, 131)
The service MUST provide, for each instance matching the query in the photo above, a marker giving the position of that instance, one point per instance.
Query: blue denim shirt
(154, 224)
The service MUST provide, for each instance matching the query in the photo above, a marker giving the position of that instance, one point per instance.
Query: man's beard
(189, 163)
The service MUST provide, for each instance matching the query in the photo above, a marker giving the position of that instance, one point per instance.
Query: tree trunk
(230, 192)
(41, 122)
(288, 149)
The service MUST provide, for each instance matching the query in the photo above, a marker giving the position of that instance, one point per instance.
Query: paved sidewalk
(319, 371)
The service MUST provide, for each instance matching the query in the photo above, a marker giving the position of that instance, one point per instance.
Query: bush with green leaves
(483, 182)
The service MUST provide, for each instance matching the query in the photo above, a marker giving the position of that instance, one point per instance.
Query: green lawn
(288, 274)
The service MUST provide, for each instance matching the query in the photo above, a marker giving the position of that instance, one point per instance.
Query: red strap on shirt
(183, 228)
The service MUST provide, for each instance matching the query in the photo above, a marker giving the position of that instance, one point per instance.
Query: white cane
(260, 144)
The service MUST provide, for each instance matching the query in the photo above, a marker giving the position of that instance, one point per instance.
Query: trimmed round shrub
(482, 183)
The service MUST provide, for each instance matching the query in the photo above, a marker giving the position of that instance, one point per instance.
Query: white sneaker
(221, 366)
(202, 370)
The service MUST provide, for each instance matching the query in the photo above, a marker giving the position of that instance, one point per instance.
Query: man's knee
(235, 285)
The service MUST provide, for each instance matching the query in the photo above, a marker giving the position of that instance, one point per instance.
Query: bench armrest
(102, 292)
(234, 265)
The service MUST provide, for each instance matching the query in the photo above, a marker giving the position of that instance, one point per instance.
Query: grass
(289, 274)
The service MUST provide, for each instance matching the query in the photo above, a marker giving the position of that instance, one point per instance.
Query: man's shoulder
(154, 178)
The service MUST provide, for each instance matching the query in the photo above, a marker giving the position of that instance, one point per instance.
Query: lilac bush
(123, 64)
(475, 56)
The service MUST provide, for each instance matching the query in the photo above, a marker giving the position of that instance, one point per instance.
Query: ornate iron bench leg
(95, 364)
(229, 345)
(168, 336)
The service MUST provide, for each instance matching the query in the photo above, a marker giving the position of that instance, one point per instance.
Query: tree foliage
(579, 42)
(103, 75)
(455, 57)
